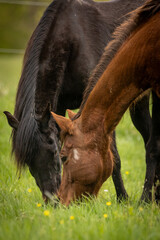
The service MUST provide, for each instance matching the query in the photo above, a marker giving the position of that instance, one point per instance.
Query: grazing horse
(133, 68)
(63, 50)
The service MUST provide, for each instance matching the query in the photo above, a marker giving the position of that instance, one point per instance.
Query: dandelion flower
(46, 213)
(61, 222)
(29, 190)
(140, 209)
(71, 217)
(126, 172)
(108, 203)
(105, 215)
(39, 204)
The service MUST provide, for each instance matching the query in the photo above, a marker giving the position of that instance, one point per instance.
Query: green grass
(20, 218)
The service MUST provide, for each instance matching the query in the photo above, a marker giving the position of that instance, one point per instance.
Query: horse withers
(132, 70)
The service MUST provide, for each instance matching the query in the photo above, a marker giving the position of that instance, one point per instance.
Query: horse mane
(26, 139)
(136, 18)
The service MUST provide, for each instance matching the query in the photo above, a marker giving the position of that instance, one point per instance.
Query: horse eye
(63, 159)
(50, 141)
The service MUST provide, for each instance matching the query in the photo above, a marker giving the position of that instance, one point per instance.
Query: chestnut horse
(63, 50)
(134, 61)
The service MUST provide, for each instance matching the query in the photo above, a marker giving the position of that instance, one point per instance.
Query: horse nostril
(50, 141)
(63, 159)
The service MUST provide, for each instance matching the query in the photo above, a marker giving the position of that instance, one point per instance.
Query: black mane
(25, 140)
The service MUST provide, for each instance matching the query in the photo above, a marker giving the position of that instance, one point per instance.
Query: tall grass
(21, 218)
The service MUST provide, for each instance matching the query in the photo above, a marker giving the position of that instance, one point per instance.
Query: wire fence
(26, 3)
(12, 51)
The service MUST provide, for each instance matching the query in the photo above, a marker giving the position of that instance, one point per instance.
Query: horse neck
(134, 69)
(108, 101)
(120, 84)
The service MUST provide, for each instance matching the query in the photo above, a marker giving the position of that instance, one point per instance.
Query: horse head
(37, 145)
(84, 167)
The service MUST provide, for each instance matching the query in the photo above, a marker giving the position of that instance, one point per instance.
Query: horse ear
(65, 124)
(43, 119)
(12, 121)
(71, 114)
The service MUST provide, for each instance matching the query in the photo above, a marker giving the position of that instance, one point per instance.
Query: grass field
(21, 218)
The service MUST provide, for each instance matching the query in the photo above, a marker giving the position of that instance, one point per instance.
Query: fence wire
(43, 4)
(12, 51)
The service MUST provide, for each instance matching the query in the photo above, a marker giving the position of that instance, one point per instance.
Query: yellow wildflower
(71, 217)
(140, 209)
(29, 190)
(61, 222)
(126, 172)
(46, 213)
(108, 203)
(39, 204)
(105, 215)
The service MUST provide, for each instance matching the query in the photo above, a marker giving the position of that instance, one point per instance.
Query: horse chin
(49, 191)
(50, 198)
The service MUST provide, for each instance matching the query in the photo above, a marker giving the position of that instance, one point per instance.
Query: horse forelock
(26, 142)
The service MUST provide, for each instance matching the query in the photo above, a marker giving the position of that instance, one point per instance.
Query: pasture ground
(21, 218)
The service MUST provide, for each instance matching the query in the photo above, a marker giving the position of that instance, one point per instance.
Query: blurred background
(17, 22)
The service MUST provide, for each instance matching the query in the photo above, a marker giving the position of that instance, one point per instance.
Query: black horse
(62, 52)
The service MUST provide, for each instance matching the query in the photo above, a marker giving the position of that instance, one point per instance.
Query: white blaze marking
(76, 154)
